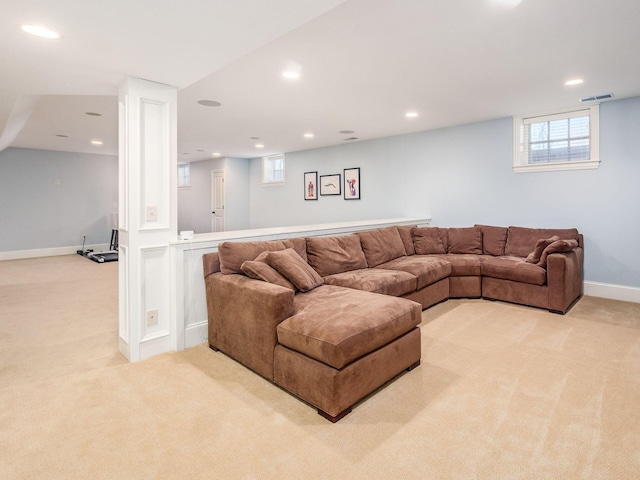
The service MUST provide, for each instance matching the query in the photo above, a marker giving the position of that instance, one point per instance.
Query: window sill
(273, 184)
(557, 166)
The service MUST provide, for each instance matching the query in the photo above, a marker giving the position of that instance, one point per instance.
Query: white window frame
(520, 144)
(268, 170)
(187, 167)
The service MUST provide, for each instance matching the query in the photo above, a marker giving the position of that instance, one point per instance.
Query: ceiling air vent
(597, 98)
(350, 139)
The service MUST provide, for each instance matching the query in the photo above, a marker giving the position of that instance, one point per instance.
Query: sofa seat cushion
(337, 325)
(428, 269)
(376, 280)
(463, 265)
(513, 268)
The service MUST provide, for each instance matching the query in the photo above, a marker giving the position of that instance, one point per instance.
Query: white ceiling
(364, 64)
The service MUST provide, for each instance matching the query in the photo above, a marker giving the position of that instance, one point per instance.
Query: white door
(217, 201)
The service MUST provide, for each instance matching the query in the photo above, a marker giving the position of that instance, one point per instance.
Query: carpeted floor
(503, 392)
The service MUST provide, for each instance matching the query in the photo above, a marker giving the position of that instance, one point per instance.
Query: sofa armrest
(564, 278)
(243, 316)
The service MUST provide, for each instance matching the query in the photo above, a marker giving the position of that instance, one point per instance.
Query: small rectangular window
(560, 140)
(273, 169)
(184, 175)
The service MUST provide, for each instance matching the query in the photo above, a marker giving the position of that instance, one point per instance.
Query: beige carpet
(503, 392)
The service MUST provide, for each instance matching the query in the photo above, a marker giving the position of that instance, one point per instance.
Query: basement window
(559, 140)
(273, 170)
(184, 175)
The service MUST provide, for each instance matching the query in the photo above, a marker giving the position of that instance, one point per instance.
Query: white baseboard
(49, 252)
(614, 292)
(196, 334)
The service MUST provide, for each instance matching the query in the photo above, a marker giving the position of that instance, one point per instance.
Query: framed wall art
(330, 184)
(351, 183)
(311, 185)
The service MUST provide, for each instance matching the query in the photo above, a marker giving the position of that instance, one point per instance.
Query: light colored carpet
(503, 392)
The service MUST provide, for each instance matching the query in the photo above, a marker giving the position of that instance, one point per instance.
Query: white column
(147, 217)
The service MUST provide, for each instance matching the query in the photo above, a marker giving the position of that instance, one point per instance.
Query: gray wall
(463, 175)
(237, 193)
(36, 213)
(194, 203)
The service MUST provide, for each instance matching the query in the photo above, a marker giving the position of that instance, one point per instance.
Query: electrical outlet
(152, 213)
(152, 317)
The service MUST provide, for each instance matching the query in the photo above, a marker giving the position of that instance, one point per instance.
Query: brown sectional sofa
(331, 319)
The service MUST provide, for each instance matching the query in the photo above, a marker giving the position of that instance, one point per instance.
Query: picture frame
(352, 183)
(330, 184)
(311, 185)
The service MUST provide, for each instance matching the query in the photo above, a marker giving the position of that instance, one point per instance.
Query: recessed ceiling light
(575, 81)
(411, 114)
(62, 136)
(259, 145)
(508, 3)
(346, 132)
(96, 142)
(93, 114)
(216, 154)
(292, 70)
(209, 103)
(41, 32)
(308, 135)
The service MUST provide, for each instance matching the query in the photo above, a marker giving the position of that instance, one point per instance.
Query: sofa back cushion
(381, 246)
(522, 241)
(465, 240)
(493, 239)
(429, 240)
(331, 255)
(407, 240)
(233, 254)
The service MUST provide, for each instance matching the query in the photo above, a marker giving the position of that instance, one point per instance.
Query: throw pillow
(558, 246)
(295, 269)
(534, 257)
(427, 240)
(259, 270)
(465, 240)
